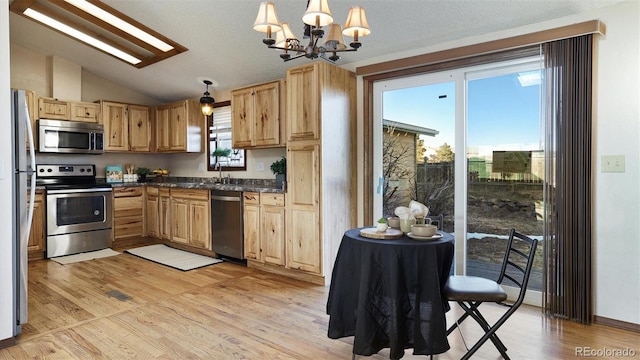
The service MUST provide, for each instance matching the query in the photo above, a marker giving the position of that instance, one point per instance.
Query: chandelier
(316, 16)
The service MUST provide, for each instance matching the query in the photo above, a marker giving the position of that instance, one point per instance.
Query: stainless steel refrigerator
(23, 165)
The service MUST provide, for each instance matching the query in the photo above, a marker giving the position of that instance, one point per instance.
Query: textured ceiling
(223, 46)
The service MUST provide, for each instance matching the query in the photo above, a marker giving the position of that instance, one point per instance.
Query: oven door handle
(76, 191)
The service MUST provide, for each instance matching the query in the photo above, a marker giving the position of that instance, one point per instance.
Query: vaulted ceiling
(223, 46)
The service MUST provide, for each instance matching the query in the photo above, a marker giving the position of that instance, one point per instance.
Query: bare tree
(398, 164)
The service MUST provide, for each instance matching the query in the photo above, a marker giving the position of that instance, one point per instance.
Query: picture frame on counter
(114, 174)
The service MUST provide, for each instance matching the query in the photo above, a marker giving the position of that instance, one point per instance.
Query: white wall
(6, 239)
(617, 195)
(616, 235)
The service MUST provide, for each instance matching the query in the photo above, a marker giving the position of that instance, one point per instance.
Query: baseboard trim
(7, 343)
(292, 273)
(624, 325)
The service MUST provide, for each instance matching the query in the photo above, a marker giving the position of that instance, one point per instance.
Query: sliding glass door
(468, 144)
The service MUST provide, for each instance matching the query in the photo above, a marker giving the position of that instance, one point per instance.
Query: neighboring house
(400, 145)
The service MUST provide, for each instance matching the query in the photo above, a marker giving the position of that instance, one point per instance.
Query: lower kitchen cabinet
(164, 213)
(128, 212)
(191, 217)
(37, 234)
(152, 214)
(264, 227)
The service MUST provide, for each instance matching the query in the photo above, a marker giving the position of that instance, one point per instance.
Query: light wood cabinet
(321, 188)
(127, 127)
(257, 115)
(180, 127)
(35, 246)
(115, 119)
(164, 213)
(128, 212)
(140, 132)
(264, 227)
(191, 217)
(251, 224)
(83, 111)
(49, 108)
(303, 102)
(152, 212)
(303, 169)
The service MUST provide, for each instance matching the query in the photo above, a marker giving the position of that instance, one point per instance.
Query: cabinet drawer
(197, 194)
(251, 198)
(272, 199)
(128, 191)
(152, 190)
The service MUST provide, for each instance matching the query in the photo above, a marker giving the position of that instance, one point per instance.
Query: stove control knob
(81, 170)
(49, 170)
(41, 170)
(88, 169)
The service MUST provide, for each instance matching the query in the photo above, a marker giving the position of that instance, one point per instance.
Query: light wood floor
(227, 311)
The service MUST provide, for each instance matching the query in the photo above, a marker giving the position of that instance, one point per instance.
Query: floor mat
(168, 256)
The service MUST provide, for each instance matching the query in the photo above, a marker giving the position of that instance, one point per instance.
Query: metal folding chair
(471, 291)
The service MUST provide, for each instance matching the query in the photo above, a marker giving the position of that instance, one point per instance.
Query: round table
(387, 294)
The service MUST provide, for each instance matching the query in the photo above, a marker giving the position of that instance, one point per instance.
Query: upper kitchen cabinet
(83, 111)
(303, 101)
(321, 188)
(140, 134)
(180, 127)
(127, 127)
(49, 108)
(257, 116)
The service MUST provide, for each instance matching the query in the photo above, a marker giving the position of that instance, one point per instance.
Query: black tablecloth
(387, 294)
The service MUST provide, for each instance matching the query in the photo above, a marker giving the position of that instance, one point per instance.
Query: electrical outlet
(201, 167)
(613, 163)
(260, 166)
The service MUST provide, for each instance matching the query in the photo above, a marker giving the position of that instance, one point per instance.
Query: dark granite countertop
(193, 183)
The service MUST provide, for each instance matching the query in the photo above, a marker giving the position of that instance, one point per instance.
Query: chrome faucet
(219, 167)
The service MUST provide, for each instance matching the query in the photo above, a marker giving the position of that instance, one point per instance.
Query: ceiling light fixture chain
(316, 16)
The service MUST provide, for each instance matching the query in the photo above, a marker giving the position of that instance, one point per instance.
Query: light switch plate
(260, 166)
(613, 163)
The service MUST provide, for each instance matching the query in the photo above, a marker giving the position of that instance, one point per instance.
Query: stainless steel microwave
(70, 137)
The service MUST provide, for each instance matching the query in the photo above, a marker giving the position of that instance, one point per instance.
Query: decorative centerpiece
(279, 168)
(381, 226)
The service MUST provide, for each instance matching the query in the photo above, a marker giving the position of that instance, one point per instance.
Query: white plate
(416, 237)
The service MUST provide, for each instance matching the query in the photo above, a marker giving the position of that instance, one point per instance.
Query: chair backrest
(435, 220)
(518, 262)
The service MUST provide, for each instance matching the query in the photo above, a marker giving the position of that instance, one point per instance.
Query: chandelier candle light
(316, 16)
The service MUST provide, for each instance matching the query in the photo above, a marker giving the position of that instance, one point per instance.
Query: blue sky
(501, 112)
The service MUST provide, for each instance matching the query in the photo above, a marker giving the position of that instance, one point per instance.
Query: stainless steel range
(79, 210)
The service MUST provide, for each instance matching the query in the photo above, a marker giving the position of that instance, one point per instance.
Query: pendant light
(206, 101)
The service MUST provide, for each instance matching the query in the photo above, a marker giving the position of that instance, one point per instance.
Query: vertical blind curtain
(567, 250)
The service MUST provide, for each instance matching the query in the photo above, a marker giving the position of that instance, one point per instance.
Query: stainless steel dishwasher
(227, 235)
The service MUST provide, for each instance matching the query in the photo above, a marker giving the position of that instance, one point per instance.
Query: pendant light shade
(206, 101)
(356, 23)
(334, 41)
(318, 13)
(267, 20)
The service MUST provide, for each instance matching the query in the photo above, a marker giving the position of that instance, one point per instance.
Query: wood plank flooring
(227, 311)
